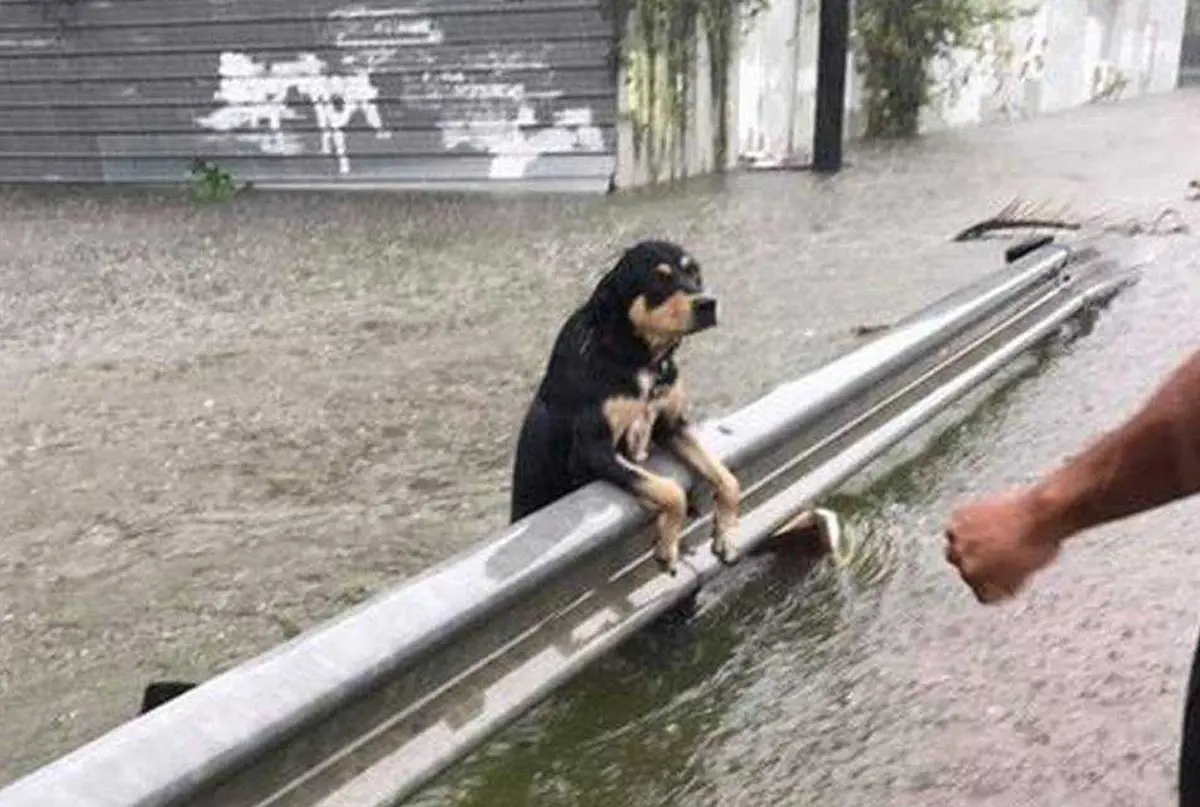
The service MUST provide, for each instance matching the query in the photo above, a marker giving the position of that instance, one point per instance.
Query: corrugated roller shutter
(453, 94)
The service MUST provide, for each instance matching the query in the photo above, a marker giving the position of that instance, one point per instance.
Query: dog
(610, 392)
(611, 389)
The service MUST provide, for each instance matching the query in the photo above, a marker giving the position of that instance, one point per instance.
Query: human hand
(998, 543)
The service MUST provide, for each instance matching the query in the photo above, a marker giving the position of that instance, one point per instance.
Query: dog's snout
(704, 311)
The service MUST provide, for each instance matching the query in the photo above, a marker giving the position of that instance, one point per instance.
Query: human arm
(1150, 460)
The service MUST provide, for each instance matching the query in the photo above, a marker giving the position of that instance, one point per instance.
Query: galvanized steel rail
(367, 708)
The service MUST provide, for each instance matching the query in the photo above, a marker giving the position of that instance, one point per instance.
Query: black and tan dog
(611, 385)
(611, 388)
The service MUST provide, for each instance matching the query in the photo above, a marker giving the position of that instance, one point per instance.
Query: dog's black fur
(616, 350)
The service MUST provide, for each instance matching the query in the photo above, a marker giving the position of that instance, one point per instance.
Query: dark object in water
(869, 330)
(1019, 215)
(159, 692)
(1018, 251)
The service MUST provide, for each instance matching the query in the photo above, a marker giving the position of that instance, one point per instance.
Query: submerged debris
(1167, 222)
(1019, 215)
(870, 330)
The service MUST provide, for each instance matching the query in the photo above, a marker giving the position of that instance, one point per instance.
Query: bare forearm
(1151, 460)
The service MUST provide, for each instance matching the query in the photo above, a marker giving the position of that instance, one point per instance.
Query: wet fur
(611, 390)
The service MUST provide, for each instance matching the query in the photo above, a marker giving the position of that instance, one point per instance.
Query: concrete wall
(1069, 53)
(489, 93)
(777, 79)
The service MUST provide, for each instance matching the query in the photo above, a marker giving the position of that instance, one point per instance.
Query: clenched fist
(998, 543)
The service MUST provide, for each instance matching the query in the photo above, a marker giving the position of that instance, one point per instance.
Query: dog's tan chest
(632, 419)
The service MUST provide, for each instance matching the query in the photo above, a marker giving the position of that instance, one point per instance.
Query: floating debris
(1021, 215)
(870, 330)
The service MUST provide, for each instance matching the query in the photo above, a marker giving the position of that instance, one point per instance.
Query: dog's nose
(704, 312)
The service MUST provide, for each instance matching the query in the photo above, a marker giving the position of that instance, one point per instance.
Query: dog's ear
(608, 296)
(604, 296)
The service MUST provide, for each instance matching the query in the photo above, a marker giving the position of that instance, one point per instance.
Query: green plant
(1107, 85)
(658, 42)
(211, 182)
(897, 42)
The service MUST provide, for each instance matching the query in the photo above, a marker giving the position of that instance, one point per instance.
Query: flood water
(884, 683)
(220, 427)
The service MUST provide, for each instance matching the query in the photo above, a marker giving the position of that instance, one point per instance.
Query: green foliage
(658, 46)
(897, 42)
(211, 183)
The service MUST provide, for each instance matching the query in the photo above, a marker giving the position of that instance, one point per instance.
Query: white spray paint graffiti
(362, 27)
(502, 120)
(255, 97)
(500, 116)
(369, 38)
(513, 149)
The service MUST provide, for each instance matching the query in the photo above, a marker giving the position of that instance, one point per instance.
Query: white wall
(1069, 52)
(777, 78)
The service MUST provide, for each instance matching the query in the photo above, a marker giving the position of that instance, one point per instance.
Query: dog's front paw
(669, 566)
(667, 557)
(725, 547)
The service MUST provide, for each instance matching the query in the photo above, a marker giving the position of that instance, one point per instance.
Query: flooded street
(221, 426)
(884, 683)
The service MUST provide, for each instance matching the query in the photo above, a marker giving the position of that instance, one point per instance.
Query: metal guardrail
(367, 708)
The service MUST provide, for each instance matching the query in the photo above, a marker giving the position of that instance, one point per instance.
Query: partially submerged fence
(366, 709)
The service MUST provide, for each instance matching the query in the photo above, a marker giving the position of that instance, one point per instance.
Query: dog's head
(657, 291)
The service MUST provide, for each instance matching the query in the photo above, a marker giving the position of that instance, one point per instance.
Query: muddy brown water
(221, 426)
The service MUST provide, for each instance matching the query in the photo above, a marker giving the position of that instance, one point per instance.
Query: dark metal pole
(831, 85)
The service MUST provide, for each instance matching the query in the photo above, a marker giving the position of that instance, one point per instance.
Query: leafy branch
(898, 41)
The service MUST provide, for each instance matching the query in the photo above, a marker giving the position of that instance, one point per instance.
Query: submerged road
(219, 427)
(884, 683)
